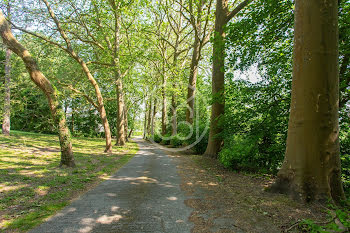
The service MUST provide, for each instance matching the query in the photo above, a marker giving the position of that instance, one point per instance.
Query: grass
(33, 187)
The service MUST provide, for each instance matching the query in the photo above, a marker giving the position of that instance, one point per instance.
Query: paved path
(143, 196)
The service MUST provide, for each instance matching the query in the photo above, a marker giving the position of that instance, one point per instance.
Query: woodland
(262, 86)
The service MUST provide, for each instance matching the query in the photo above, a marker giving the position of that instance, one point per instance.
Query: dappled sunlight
(136, 180)
(7, 187)
(42, 190)
(31, 181)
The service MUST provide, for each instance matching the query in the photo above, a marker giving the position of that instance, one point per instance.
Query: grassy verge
(32, 187)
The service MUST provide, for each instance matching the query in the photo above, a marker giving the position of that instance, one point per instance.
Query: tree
(199, 13)
(44, 84)
(222, 17)
(6, 123)
(311, 168)
(68, 48)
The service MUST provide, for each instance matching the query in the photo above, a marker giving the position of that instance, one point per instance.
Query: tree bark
(149, 118)
(126, 126)
(120, 114)
(191, 90)
(145, 122)
(6, 123)
(174, 115)
(218, 81)
(164, 109)
(153, 116)
(130, 133)
(44, 84)
(222, 17)
(311, 168)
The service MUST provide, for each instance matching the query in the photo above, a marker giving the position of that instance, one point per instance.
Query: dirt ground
(226, 201)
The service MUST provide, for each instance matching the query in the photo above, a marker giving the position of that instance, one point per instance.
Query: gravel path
(143, 196)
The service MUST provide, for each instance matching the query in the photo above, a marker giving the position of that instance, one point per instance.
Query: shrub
(157, 138)
(176, 141)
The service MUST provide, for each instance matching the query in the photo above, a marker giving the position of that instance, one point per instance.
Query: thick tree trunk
(6, 123)
(153, 116)
(311, 168)
(164, 110)
(120, 114)
(218, 83)
(191, 90)
(44, 84)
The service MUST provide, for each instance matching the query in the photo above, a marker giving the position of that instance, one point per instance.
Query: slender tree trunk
(191, 89)
(73, 54)
(153, 116)
(120, 114)
(44, 84)
(344, 80)
(73, 110)
(149, 118)
(145, 122)
(311, 168)
(174, 115)
(218, 83)
(130, 133)
(6, 123)
(126, 126)
(164, 110)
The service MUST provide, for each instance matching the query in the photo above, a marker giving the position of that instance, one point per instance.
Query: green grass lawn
(33, 187)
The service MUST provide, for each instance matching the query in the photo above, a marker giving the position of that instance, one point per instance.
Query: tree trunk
(311, 168)
(145, 122)
(126, 126)
(149, 118)
(130, 133)
(73, 54)
(44, 84)
(174, 117)
(6, 123)
(218, 83)
(164, 110)
(73, 110)
(153, 116)
(191, 90)
(120, 114)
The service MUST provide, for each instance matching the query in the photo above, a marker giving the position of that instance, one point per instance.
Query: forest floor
(227, 201)
(33, 187)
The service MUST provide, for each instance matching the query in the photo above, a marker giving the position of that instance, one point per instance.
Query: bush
(157, 138)
(239, 153)
(201, 146)
(176, 141)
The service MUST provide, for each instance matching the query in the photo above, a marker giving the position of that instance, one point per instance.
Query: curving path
(143, 196)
